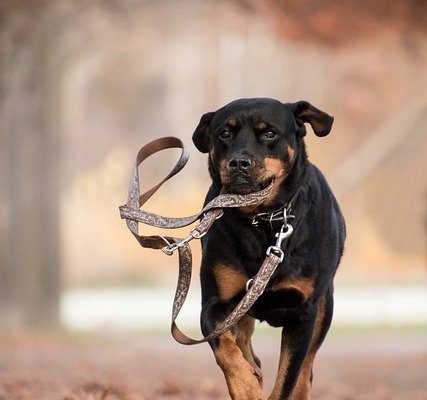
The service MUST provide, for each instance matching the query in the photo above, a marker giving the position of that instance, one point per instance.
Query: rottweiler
(252, 143)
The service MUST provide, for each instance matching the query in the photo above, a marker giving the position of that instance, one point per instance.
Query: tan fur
(273, 167)
(240, 377)
(291, 153)
(302, 387)
(250, 209)
(223, 172)
(232, 122)
(281, 374)
(245, 329)
(261, 126)
(230, 282)
(303, 285)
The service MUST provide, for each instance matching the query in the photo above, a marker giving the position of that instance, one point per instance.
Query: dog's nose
(241, 162)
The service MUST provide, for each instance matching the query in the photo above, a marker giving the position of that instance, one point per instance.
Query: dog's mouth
(243, 184)
(266, 183)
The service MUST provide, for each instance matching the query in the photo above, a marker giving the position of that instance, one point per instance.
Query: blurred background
(85, 83)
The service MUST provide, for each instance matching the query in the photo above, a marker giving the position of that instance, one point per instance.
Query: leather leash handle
(135, 200)
(213, 210)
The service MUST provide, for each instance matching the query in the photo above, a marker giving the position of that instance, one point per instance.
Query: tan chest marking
(230, 282)
(303, 285)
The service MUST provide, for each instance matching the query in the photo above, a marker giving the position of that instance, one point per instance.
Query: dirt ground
(122, 366)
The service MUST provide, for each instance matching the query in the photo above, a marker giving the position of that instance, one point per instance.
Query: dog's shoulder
(319, 195)
(322, 214)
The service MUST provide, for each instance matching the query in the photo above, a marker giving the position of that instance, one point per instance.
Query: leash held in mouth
(134, 214)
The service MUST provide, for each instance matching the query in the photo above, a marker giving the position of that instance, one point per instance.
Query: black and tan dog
(252, 142)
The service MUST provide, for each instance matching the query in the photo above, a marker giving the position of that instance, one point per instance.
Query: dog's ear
(320, 121)
(201, 134)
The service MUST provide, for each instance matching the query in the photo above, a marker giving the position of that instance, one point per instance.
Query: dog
(251, 144)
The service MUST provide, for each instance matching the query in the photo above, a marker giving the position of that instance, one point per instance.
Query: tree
(30, 102)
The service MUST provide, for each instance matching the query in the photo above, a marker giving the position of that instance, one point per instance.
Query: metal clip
(220, 215)
(171, 247)
(281, 235)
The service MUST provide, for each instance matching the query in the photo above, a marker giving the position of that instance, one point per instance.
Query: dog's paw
(245, 386)
(248, 393)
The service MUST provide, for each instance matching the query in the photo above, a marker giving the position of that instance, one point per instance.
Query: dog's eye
(224, 134)
(270, 134)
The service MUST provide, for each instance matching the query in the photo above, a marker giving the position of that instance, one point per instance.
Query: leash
(133, 214)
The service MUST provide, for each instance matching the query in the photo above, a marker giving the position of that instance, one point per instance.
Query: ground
(119, 366)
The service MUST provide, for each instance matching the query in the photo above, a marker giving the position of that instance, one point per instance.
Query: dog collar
(282, 215)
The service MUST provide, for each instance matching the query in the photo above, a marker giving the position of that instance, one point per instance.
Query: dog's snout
(242, 162)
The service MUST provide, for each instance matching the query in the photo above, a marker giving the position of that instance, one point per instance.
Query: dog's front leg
(240, 375)
(296, 339)
(245, 329)
(323, 322)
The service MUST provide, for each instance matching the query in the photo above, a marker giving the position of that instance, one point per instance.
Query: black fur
(314, 249)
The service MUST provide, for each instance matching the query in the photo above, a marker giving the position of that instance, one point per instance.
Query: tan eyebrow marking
(303, 285)
(232, 122)
(261, 126)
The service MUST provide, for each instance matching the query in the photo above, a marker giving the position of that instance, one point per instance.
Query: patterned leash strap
(134, 214)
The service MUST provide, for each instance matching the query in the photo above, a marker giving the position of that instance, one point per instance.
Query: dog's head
(252, 142)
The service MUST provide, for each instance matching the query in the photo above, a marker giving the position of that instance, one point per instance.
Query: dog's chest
(274, 306)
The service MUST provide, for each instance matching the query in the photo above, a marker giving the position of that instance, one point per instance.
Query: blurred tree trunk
(30, 140)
